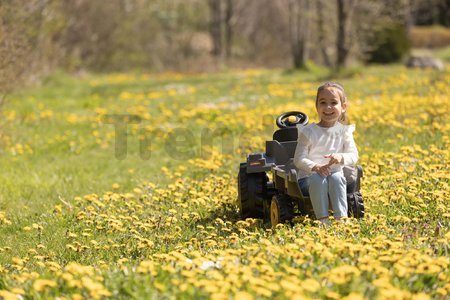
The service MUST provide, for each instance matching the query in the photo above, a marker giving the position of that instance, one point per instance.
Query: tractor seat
(281, 151)
(286, 134)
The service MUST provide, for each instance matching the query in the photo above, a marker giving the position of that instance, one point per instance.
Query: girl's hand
(322, 170)
(335, 158)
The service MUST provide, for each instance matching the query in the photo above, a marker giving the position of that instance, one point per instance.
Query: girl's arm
(301, 160)
(350, 154)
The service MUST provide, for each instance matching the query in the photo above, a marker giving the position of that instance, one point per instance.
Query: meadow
(124, 186)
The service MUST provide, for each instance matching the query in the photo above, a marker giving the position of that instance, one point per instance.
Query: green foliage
(341, 73)
(443, 54)
(389, 43)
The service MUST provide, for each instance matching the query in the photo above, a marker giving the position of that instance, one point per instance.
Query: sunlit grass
(78, 222)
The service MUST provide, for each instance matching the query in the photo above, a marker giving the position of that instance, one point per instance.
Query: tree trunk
(215, 27)
(321, 34)
(298, 30)
(409, 19)
(228, 29)
(345, 10)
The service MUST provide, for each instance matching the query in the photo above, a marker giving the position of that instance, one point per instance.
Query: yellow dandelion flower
(242, 295)
(40, 285)
(7, 295)
(354, 296)
(18, 291)
(420, 296)
(427, 268)
(310, 285)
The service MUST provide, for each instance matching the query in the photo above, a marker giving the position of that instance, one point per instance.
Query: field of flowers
(124, 186)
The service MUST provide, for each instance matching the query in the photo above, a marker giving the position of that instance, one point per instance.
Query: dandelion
(18, 291)
(310, 285)
(7, 295)
(41, 285)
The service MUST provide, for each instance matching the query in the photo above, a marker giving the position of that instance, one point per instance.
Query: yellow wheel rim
(274, 213)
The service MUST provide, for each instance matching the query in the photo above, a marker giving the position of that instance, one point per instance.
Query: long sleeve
(301, 160)
(350, 153)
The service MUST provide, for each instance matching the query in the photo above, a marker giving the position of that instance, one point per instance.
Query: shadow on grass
(226, 212)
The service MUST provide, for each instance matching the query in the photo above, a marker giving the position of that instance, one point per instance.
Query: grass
(162, 221)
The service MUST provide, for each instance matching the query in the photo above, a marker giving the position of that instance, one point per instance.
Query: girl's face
(329, 106)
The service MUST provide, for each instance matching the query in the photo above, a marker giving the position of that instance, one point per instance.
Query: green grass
(31, 183)
(73, 154)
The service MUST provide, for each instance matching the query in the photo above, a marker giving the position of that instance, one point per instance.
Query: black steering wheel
(291, 119)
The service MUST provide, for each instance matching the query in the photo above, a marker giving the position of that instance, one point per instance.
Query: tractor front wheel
(281, 209)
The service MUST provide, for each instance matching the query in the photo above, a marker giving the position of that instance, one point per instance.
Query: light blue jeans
(323, 190)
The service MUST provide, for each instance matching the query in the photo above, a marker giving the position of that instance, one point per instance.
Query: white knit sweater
(314, 142)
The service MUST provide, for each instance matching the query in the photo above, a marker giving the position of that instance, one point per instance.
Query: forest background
(38, 37)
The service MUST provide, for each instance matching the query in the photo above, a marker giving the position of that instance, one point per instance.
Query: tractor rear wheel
(355, 205)
(252, 192)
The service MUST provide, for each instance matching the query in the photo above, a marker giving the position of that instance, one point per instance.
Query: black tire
(355, 200)
(252, 192)
(355, 205)
(281, 209)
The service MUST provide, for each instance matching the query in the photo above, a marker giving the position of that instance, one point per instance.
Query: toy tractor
(281, 199)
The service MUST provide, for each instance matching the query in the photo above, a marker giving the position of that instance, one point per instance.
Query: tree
(345, 9)
(215, 29)
(19, 31)
(322, 33)
(221, 14)
(228, 28)
(298, 30)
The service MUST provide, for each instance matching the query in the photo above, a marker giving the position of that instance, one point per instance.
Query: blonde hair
(343, 97)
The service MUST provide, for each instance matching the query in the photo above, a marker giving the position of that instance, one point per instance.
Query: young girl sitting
(322, 151)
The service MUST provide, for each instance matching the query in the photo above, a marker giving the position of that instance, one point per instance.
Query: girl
(322, 150)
